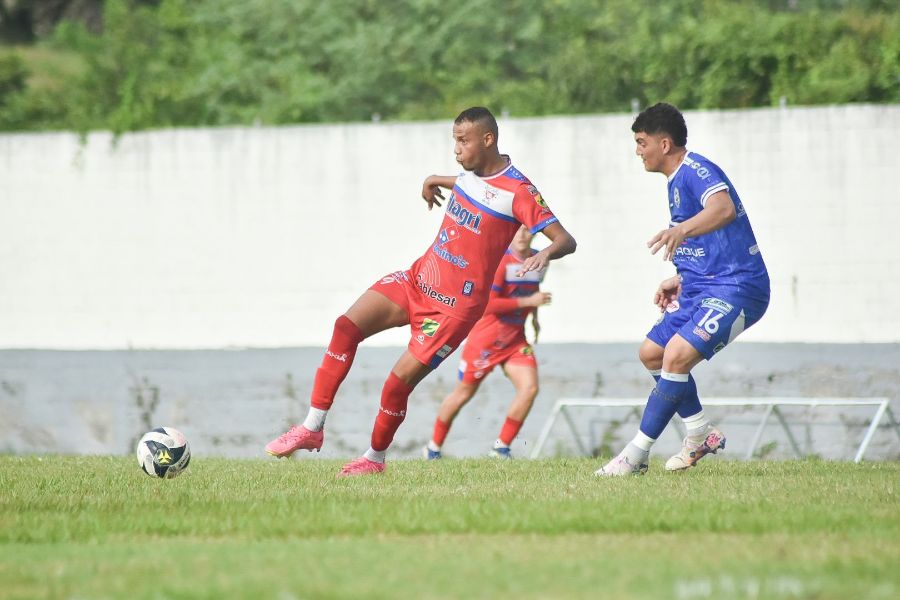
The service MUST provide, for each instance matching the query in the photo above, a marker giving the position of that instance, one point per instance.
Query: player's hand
(667, 292)
(667, 240)
(534, 263)
(537, 299)
(431, 191)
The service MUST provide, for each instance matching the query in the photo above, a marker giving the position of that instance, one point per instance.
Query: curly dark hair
(662, 118)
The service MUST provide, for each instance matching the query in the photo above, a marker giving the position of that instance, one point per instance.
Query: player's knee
(651, 356)
(679, 359)
(529, 391)
(465, 392)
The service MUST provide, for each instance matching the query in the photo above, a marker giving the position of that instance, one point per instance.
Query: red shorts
(479, 359)
(435, 335)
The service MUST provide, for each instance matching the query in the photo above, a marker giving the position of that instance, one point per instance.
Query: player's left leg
(524, 378)
(371, 313)
(716, 324)
(439, 335)
(403, 378)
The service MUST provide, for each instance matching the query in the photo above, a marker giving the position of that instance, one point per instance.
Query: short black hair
(480, 116)
(662, 118)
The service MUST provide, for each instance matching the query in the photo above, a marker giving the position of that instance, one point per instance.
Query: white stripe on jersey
(716, 188)
(529, 277)
(493, 198)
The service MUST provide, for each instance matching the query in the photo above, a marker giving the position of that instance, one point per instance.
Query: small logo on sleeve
(537, 196)
(467, 288)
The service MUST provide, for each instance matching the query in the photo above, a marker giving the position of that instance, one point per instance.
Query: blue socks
(671, 390)
(690, 406)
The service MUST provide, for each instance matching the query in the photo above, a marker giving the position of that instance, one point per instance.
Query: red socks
(336, 363)
(440, 432)
(510, 430)
(394, 398)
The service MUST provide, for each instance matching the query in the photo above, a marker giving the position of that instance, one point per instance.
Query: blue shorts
(708, 318)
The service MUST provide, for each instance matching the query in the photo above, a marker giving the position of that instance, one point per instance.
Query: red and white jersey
(501, 327)
(483, 214)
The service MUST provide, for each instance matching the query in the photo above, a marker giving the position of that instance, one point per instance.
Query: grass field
(96, 527)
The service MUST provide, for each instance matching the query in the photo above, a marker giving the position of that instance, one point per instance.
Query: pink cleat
(692, 451)
(298, 437)
(361, 466)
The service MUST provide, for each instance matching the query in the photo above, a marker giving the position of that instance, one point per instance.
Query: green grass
(96, 527)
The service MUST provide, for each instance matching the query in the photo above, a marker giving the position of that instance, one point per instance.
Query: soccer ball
(163, 452)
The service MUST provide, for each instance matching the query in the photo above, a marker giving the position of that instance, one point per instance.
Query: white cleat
(691, 452)
(619, 467)
(501, 453)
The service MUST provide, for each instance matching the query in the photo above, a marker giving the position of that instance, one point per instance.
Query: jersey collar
(501, 171)
(685, 161)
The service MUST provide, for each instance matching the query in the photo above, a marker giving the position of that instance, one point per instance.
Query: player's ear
(665, 145)
(488, 139)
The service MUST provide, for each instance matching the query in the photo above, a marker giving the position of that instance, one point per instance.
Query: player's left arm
(718, 212)
(562, 243)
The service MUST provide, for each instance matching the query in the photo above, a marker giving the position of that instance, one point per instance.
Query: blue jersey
(726, 258)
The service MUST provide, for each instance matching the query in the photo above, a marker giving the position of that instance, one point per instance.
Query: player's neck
(673, 161)
(493, 166)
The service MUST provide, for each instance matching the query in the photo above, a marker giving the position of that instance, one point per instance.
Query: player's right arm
(667, 292)
(431, 189)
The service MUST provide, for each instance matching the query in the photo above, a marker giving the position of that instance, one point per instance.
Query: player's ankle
(375, 455)
(315, 419)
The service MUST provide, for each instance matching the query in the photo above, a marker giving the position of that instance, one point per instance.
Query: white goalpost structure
(564, 408)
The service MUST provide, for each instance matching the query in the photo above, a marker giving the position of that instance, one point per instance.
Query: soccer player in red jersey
(442, 294)
(499, 339)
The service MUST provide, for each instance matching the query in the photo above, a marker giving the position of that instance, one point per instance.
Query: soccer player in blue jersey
(721, 288)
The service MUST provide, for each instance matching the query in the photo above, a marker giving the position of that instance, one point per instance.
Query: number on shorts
(710, 322)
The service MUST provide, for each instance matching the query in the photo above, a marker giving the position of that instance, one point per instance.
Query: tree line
(177, 63)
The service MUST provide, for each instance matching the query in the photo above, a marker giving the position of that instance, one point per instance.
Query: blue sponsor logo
(457, 260)
(463, 216)
(445, 237)
(467, 288)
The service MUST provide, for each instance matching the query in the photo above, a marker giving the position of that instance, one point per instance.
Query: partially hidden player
(442, 294)
(721, 288)
(499, 339)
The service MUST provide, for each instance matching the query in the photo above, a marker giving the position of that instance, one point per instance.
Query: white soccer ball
(163, 452)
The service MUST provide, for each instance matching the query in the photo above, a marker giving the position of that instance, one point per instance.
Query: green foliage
(239, 62)
(12, 76)
(96, 527)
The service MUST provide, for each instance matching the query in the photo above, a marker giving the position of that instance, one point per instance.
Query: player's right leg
(450, 407)
(521, 369)
(371, 313)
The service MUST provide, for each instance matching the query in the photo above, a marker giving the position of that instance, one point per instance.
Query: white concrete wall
(262, 236)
